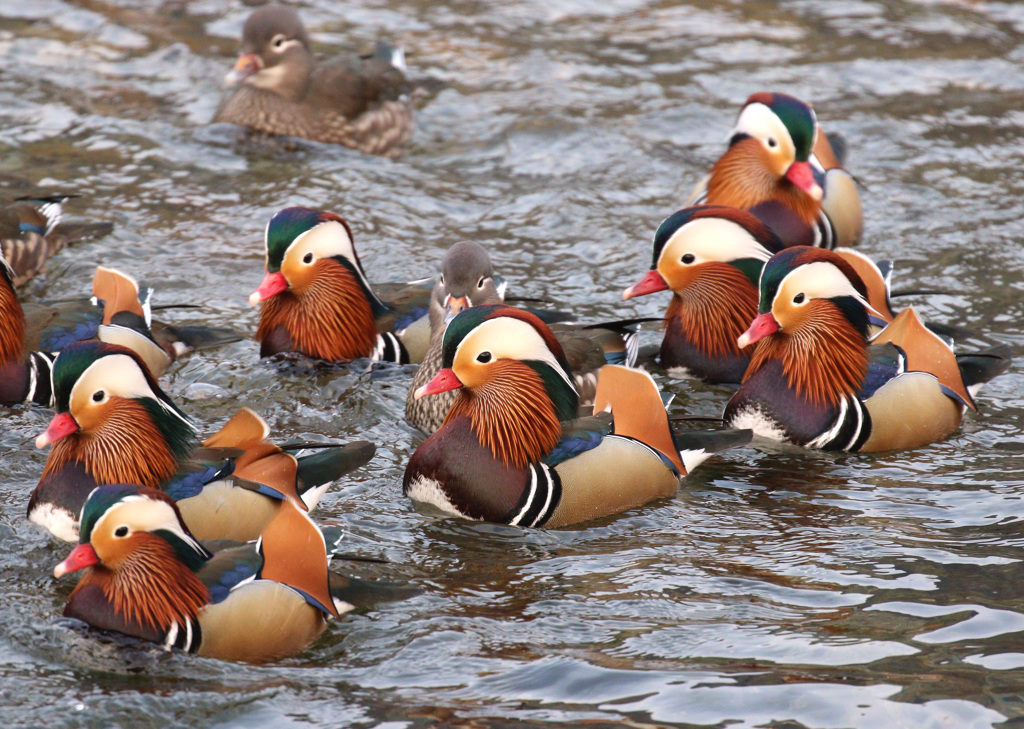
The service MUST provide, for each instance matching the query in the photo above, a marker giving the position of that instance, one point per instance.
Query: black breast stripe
(540, 498)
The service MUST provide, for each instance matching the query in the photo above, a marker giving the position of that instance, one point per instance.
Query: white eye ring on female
(480, 283)
(278, 42)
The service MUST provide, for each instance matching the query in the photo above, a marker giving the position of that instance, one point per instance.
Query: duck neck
(330, 319)
(129, 447)
(12, 334)
(150, 586)
(742, 179)
(823, 362)
(714, 309)
(514, 414)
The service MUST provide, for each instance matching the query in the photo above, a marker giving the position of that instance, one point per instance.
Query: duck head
(113, 417)
(141, 556)
(710, 257)
(467, 279)
(814, 315)
(514, 382)
(274, 54)
(315, 286)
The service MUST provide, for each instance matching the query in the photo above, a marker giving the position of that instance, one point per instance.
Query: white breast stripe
(529, 499)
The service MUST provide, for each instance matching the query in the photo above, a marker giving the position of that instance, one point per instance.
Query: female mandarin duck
(468, 279)
(147, 576)
(814, 380)
(362, 103)
(118, 313)
(512, 449)
(316, 298)
(31, 231)
(710, 257)
(115, 425)
(780, 167)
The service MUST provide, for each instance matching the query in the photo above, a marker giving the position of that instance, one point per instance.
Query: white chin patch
(753, 418)
(59, 522)
(428, 491)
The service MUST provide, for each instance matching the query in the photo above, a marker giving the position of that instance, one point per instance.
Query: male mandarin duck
(147, 576)
(781, 167)
(118, 312)
(468, 279)
(283, 89)
(31, 231)
(816, 379)
(115, 425)
(316, 298)
(512, 449)
(710, 257)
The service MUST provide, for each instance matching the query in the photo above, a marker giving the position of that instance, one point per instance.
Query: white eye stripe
(508, 338)
(713, 239)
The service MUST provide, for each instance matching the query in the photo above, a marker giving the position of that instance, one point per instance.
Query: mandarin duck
(512, 449)
(115, 425)
(31, 231)
(781, 167)
(468, 279)
(316, 300)
(816, 379)
(710, 257)
(363, 103)
(146, 575)
(118, 312)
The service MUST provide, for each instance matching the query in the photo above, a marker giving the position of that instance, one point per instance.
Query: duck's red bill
(801, 175)
(761, 327)
(649, 284)
(272, 285)
(443, 381)
(81, 557)
(61, 425)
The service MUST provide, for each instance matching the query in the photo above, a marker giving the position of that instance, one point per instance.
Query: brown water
(778, 589)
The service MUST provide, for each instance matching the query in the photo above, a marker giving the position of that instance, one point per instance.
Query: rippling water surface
(778, 589)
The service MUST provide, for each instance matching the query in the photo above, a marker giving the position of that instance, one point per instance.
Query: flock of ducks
(206, 545)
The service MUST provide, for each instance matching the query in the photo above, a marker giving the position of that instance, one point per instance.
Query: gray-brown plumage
(467, 279)
(362, 103)
(31, 232)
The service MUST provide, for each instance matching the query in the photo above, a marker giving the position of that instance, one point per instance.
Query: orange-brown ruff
(741, 178)
(12, 334)
(824, 359)
(714, 309)
(149, 585)
(127, 448)
(329, 319)
(511, 414)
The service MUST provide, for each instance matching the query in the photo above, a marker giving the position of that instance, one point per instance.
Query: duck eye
(442, 279)
(308, 258)
(98, 396)
(480, 283)
(688, 258)
(799, 298)
(483, 357)
(121, 531)
(279, 42)
(772, 143)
